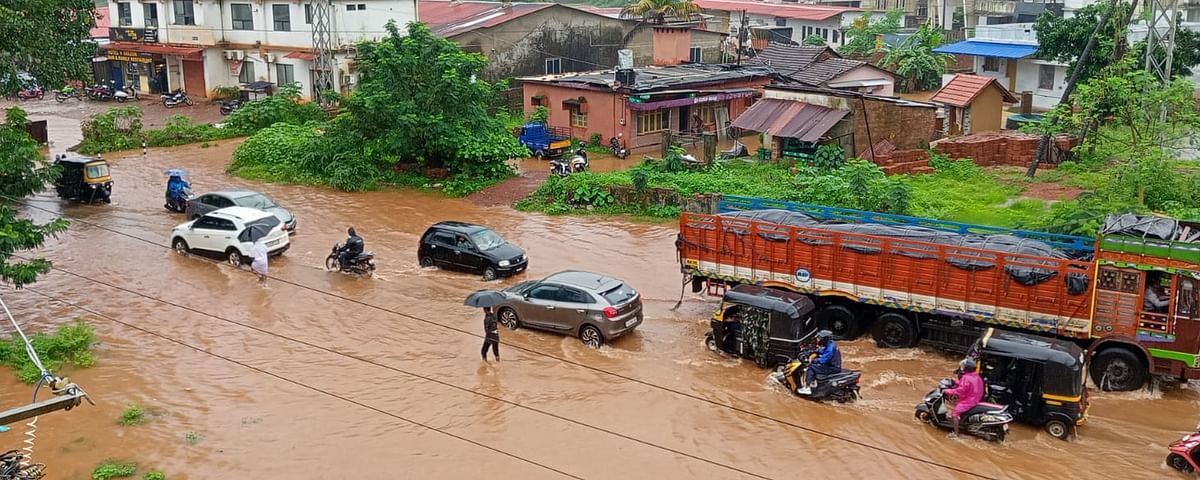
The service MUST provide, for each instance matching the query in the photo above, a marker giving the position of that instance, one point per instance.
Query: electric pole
(322, 33)
(743, 34)
(1160, 35)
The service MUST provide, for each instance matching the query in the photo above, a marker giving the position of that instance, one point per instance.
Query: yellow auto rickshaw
(84, 179)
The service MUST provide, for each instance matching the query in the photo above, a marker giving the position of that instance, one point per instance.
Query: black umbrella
(254, 232)
(485, 298)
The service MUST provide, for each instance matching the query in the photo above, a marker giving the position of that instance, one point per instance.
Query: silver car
(212, 201)
(594, 307)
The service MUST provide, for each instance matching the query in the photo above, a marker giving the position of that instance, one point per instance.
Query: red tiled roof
(102, 23)
(961, 90)
(448, 19)
(799, 12)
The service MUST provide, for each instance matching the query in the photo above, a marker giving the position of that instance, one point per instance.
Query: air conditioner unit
(240, 55)
(269, 57)
(230, 54)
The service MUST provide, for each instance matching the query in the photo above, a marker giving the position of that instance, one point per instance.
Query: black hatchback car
(472, 248)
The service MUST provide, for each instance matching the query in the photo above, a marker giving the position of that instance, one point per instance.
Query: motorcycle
(560, 167)
(99, 92)
(614, 146)
(32, 91)
(841, 387)
(362, 264)
(986, 421)
(67, 92)
(579, 163)
(1185, 456)
(179, 191)
(173, 99)
(229, 106)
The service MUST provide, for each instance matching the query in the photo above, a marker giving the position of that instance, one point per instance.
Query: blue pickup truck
(543, 140)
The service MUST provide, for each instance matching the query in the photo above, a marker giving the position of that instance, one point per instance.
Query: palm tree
(658, 11)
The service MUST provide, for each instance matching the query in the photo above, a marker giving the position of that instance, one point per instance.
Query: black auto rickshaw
(770, 326)
(85, 179)
(1040, 379)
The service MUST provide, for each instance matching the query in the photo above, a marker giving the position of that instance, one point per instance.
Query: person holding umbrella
(258, 255)
(491, 332)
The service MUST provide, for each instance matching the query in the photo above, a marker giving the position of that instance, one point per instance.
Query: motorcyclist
(351, 248)
(969, 391)
(175, 188)
(827, 361)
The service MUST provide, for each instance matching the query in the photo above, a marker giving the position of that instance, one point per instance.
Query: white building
(199, 45)
(1006, 53)
(788, 21)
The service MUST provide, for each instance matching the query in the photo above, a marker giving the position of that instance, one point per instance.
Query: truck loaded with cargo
(1129, 296)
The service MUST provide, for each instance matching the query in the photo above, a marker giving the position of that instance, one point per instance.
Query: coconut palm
(659, 11)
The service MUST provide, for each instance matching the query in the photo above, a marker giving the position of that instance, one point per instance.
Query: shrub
(595, 140)
(133, 415)
(71, 344)
(180, 130)
(225, 92)
(283, 107)
(114, 469)
(154, 475)
(829, 157)
(116, 129)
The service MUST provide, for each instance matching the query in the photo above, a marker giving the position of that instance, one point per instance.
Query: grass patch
(193, 438)
(133, 415)
(70, 345)
(114, 469)
(972, 195)
(154, 475)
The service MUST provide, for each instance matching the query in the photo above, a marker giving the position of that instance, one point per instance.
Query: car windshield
(97, 171)
(521, 287)
(616, 296)
(257, 200)
(486, 239)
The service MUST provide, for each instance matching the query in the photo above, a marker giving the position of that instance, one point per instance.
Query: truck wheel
(893, 330)
(840, 320)
(1118, 370)
(540, 154)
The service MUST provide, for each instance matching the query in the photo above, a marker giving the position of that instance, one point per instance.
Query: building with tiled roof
(973, 103)
(823, 67)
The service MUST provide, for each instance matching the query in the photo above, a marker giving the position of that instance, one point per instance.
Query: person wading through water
(491, 334)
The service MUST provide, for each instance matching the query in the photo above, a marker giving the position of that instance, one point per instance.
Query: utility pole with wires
(743, 34)
(322, 35)
(1160, 36)
(17, 464)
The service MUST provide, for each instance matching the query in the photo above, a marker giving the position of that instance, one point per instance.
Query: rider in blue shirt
(828, 361)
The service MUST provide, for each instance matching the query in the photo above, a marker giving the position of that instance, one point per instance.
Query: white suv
(228, 232)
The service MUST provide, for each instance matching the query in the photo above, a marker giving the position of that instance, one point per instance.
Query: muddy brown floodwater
(317, 389)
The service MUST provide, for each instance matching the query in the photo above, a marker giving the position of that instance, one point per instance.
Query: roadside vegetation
(26, 172)
(133, 415)
(420, 109)
(69, 345)
(112, 468)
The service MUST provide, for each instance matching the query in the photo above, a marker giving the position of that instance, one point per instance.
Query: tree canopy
(814, 40)
(26, 172)
(659, 11)
(860, 38)
(47, 39)
(916, 63)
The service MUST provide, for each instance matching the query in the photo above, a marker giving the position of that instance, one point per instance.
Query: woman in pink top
(969, 391)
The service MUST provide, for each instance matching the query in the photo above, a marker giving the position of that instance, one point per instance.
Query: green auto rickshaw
(1040, 379)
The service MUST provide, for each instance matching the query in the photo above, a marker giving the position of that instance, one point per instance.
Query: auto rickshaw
(85, 179)
(770, 326)
(1040, 379)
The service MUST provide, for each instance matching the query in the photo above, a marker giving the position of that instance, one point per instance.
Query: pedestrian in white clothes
(258, 252)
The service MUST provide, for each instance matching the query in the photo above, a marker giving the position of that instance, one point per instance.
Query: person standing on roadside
(258, 255)
(491, 334)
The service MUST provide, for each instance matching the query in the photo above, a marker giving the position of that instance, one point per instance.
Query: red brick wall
(991, 149)
(906, 127)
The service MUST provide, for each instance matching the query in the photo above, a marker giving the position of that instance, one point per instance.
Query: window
(881, 4)
(282, 16)
(1046, 77)
(352, 7)
(243, 16)
(150, 13)
(570, 295)
(444, 238)
(124, 14)
(696, 55)
(922, 10)
(308, 14)
(619, 295)
(185, 12)
(780, 21)
(553, 66)
(651, 122)
(247, 73)
(900, 4)
(991, 64)
(362, 6)
(285, 73)
(578, 119)
(708, 112)
(544, 292)
(1193, 15)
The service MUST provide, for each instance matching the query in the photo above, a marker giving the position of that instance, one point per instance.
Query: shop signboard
(129, 56)
(136, 35)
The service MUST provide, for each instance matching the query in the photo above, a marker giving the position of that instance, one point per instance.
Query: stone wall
(700, 203)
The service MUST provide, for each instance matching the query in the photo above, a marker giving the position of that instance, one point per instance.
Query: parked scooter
(179, 191)
(361, 264)
(125, 94)
(31, 91)
(66, 93)
(841, 387)
(228, 106)
(614, 146)
(739, 150)
(560, 166)
(579, 162)
(176, 98)
(986, 421)
(1185, 453)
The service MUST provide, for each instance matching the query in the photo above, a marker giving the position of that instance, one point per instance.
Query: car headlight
(504, 263)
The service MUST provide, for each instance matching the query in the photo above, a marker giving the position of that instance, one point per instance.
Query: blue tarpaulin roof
(988, 49)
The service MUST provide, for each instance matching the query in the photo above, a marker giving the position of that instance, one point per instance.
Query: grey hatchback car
(591, 306)
(213, 201)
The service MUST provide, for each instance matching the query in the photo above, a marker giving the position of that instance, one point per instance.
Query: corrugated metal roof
(988, 49)
(787, 118)
(963, 88)
(448, 19)
(789, 59)
(799, 12)
(825, 70)
(650, 79)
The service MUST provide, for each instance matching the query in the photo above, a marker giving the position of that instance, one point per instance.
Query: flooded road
(326, 376)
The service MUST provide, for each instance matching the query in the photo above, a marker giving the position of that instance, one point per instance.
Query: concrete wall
(907, 127)
(1026, 79)
(867, 73)
(987, 111)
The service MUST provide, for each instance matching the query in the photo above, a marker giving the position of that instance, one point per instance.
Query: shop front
(147, 67)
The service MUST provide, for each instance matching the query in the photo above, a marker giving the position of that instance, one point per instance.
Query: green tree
(915, 61)
(49, 39)
(814, 40)
(860, 37)
(660, 11)
(26, 172)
